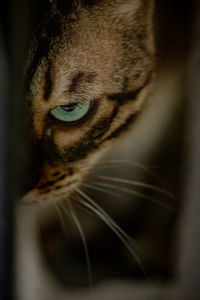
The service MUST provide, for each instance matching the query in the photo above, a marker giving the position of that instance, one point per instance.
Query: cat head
(88, 72)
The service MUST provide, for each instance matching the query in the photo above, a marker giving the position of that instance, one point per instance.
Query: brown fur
(99, 49)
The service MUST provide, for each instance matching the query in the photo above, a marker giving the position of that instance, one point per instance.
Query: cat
(88, 74)
(89, 70)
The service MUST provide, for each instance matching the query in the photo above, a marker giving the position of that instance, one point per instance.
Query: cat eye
(72, 112)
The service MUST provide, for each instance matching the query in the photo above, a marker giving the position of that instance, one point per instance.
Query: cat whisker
(62, 221)
(99, 189)
(139, 184)
(125, 239)
(135, 193)
(71, 213)
(117, 162)
(101, 210)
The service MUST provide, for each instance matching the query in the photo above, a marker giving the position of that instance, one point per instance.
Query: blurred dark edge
(6, 211)
(13, 34)
(189, 246)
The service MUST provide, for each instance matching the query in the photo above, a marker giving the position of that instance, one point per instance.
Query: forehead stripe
(76, 80)
(41, 52)
(80, 78)
(125, 96)
(48, 82)
(48, 28)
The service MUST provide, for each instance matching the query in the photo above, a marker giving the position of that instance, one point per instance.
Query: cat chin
(38, 198)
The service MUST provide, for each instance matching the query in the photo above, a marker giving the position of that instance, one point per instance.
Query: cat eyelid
(64, 102)
(71, 103)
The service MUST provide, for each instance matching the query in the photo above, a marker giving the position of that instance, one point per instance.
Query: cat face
(88, 72)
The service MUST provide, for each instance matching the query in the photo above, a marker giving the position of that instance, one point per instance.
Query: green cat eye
(72, 112)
